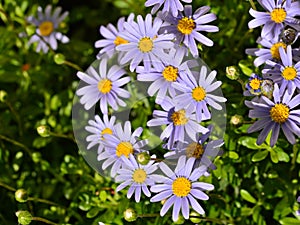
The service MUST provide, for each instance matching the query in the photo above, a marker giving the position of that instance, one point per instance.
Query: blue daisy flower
(112, 38)
(172, 6)
(47, 24)
(286, 73)
(278, 15)
(197, 95)
(145, 44)
(137, 176)
(203, 150)
(276, 114)
(179, 123)
(103, 85)
(181, 188)
(123, 143)
(187, 27)
(98, 128)
(163, 74)
(254, 85)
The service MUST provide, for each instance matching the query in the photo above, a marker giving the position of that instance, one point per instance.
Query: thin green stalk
(44, 220)
(6, 186)
(16, 143)
(73, 65)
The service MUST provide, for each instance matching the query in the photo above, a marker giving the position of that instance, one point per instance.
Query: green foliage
(38, 155)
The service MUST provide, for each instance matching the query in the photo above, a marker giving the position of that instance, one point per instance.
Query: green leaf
(289, 221)
(244, 67)
(92, 213)
(282, 156)
(103, 196)
(247, 196)
(274, 156)
(233, 155)
(259, 156)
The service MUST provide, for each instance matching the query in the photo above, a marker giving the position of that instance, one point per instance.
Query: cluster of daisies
(276, 93)
(161, 51)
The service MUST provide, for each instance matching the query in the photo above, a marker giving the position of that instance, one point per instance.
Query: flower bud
(267, 88)
(232, 72)
(143, 158)
(24, 217)
(3, 96)
(195, 217)
(43, 131)
(21, 195)
(130, 215)
(59, 58)
(236, 120)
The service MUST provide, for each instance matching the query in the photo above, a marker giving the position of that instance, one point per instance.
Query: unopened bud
(267, 88)
(232, 72)
(59, 58)
(24, 217)
(143, 158)
(195, 217)
(21, 195)
(130, 215)
(3, 96)
(44, 131)
(236, 120)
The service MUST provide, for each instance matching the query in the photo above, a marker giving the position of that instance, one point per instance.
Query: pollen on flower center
(278, 15)
(279, 113)
(181, 187)
(46, 28)
(104, 86)
(255, 83)
(198, 93)
(275, 49)
(170, 73)
(194, 150)
(139, 176)
(179, 118)
(289, 73)
(186, 25)
(145, 44)
(120, 41)
(124, 148)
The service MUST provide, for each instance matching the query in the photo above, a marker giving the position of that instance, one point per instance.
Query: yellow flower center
(278, 15)
(279, 113)
(179, 118)
(289, 73)
(170, 73)
(275, 49)
(106, 131)
(124, 148)
(255, 83)
(46, 28)
(194, 150)
(120, 41)
(186, 25)
(198, 94)
(139, 176)
(145, 44)
(104, 86)
(181, 187)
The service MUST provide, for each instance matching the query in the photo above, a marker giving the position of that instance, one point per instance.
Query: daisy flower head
(270, 52)
(254, 85)
(137, 176)
(278, 14)
(164, 73)
(178, 123)
(145, 44)
(172, 6)
(123, 143)
(104, 85)
(275, 114)
(47, 25)
(181, 188)
(197, 93)
(98, 128)
(284, 73)
(112, 38)
(187, 27)
(204, 150)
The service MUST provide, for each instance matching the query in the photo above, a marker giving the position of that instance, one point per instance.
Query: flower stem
(44, 220)
(16, 143)
(73, 65)
(6, 186)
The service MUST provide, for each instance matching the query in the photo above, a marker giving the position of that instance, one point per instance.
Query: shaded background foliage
(253, 184)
